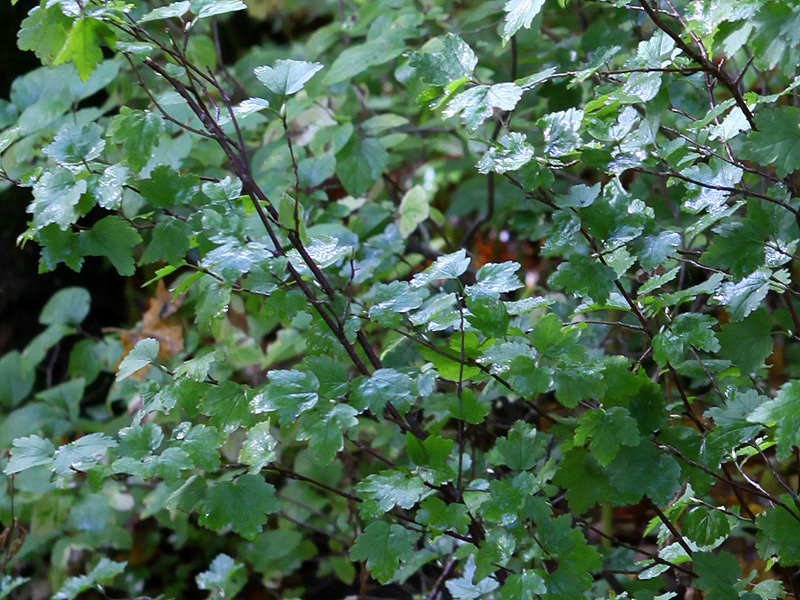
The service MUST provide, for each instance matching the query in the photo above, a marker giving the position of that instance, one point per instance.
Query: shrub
(478, 299)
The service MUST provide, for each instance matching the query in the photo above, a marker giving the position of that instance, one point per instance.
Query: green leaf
(109, 186)
(453, 62)
(449, 266)
(201, 442)
(383, 386)
(392, 301)
(242, 505)
(170, 11)
(739, 246)
(138, 441)
(522, 448)
(226, 404)
(706, 527)
(527, 379)
(44, 31)
(211, 8)
(326, 434)
(258, 449)
(653, 250)
(643, 469)
(224, 578)
(8, 584)
(360, 163)
(75, 144)
(586, 277)
(414, 209)
(707, 179)
(731, 420)
(167, 188)
(143, 353)
(521, 586)
(138, 133)
(104, 572)
(55, 199)
(494, 279)
(440, 517)
(609, 430)
(718, 574)
(82, 47)
(16, 381)
(358, 58)
(520, 14)
(28, 452)
(488, 315)
(777, 141)
(511, 154)
(562, 132)
(783, 413)
(748, 343)
(464, 587)
(688, 330)
(289, 393)
(743, 297)
(392, 488)
(113, 238)
(82, 453)
(585, 483)
(287, 77)
(169, 242)
(68, 306)
(384, 547)
(779, 535)
(478, 103)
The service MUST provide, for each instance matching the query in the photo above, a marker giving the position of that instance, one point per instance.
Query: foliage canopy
(447, 297)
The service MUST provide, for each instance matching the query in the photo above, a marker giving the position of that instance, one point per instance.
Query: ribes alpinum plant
(479, 299)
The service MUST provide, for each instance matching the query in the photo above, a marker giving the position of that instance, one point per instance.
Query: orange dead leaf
(158, 322)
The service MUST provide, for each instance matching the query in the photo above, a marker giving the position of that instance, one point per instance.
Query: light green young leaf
(82, 47)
